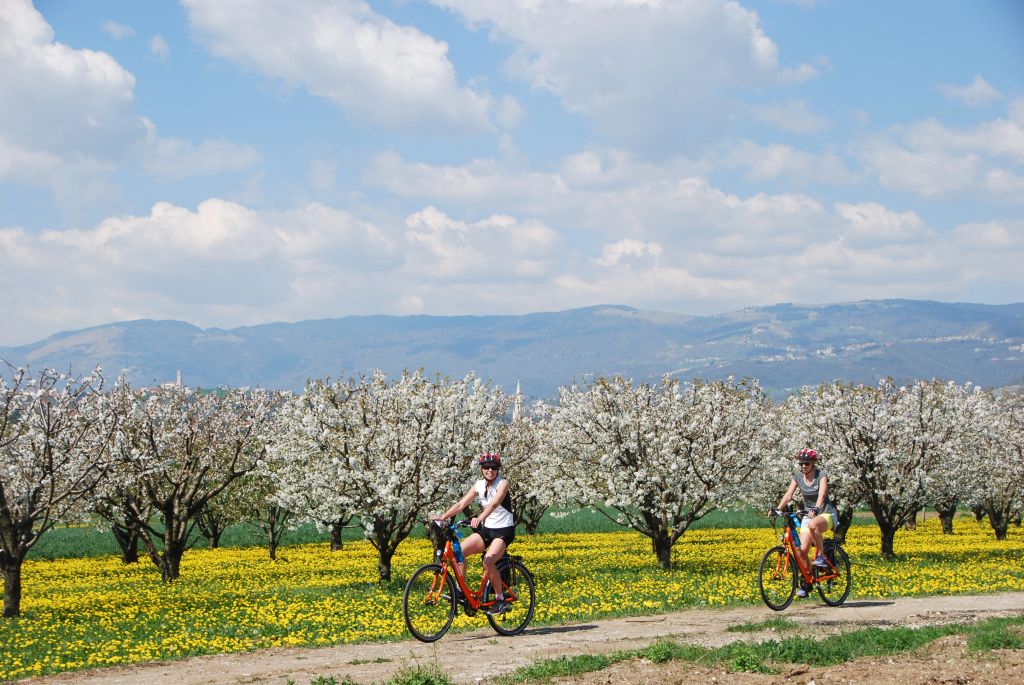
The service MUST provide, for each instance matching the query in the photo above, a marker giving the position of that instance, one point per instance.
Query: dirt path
(479, 656)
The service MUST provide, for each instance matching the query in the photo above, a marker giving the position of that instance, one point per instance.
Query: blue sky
(234, 162)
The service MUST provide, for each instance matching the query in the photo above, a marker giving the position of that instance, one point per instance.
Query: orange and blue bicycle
(435, 591)
(783, 567)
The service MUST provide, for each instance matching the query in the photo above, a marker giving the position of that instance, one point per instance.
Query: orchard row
(157, 464)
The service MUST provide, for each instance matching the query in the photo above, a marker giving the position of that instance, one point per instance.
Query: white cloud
(645, 71)
(870, 224)
(714, 247)
(482, 183)
(510, 113)
(159, 48)
(793, 116)
(992, 236)
(377, 71)
(69, 120)
(615, 253)
(1017, 111)
(997, 138)
(494, 250)
(1005, 183)
(175, 159)
(117, 30)
(774, 162)
(17, 161)
(57, 99)
(977, 94)
(926, 172)
(668, 245)
(988, 255)
(219, 264)
(609, 193)
(226, 264)
(932, 159)
(660, 287)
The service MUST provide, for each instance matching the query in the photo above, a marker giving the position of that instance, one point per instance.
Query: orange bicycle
(435, 591)
(782, 567)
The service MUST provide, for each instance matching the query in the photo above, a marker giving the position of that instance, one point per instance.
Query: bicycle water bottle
(457, 549)
(796, 532)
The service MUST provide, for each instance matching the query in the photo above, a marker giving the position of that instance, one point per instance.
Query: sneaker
(499, 607)
(800, 592)
(820, 561)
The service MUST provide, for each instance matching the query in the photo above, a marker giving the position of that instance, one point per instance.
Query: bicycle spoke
(428, 604)
(521, 596)
(834, 587)
(777, 579)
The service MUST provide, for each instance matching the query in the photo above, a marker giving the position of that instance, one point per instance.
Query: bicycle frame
(449, 564)
(810, 575)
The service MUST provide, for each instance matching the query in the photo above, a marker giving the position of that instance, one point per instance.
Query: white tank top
(500, 517)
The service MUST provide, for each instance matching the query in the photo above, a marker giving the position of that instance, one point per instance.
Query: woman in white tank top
(495, 525)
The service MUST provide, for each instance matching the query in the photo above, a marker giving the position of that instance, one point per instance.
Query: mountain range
(785, 346)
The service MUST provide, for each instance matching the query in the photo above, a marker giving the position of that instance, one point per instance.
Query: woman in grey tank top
(812, 483)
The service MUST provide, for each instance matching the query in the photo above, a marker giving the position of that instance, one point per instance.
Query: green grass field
(90, 541)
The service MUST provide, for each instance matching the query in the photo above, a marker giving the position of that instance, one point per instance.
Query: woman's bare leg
(495, 552)
(818, 527)
(474, 544)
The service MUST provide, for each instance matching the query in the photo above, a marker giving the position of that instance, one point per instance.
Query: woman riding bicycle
(822, 513)
(495, 526)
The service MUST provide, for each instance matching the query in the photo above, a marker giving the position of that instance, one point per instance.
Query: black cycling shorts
(489, 534)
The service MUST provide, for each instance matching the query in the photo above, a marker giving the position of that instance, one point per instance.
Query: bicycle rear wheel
(429, 603)
(777, 578)
(521, 596)
(834, 591)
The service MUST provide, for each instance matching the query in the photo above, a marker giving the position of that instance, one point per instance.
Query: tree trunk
(128, 540)
(211, 527)
(170, 565)
(888, 538)
(911, 521)
(1000, 521)
(275, 523)
(170, 560)
(12, 587)
(385, 548)
(979, 512)
(661, 542)
(529, 512)
(843, 524)
(946, 514)
(337, 542)
(384, 564)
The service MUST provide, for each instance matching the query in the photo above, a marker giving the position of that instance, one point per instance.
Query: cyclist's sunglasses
(489, 467)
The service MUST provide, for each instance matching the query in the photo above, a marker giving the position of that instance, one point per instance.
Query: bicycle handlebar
(444, 526)
(778, 512)
(790, 517)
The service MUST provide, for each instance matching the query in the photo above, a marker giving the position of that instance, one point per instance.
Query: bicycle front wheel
(521, 596)
(834, 591)
(777, 579)
(429, 603)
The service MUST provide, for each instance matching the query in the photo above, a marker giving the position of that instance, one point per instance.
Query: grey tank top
(810, 493)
